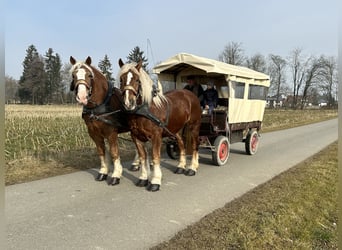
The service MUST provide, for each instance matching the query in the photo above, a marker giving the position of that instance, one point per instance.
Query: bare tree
(311, 76)
(232, 54)
(257, 62)
(66, 79)
(11, 89)
(297, 68)
(277, 72)
(328, 81)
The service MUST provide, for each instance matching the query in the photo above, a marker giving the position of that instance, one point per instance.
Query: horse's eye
(90, 76)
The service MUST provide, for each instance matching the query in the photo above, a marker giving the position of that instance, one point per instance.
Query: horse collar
(100, 108)
(143, 110)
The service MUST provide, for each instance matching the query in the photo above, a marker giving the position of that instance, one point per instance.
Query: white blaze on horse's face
(80, 74)
(82, 95)
(126, 100)
(82, 92)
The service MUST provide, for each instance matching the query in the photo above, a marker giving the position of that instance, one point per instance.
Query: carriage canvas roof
(179, 61)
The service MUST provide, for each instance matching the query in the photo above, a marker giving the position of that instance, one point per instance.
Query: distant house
(274, 102)
(287, 101)
(322, 103)
(309, 101)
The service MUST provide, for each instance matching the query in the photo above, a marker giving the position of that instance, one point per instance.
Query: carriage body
(242, 99)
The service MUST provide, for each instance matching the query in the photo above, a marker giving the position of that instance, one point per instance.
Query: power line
(149, 45)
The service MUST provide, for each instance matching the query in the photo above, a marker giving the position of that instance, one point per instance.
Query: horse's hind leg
(182, 158)
(114, 152)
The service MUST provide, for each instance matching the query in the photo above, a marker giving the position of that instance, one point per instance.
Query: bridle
(89, 86)
(136, 93)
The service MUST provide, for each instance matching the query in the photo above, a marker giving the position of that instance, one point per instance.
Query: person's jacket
(210, 97)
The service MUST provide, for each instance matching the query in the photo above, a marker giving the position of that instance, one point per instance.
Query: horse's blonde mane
(79, 64)
(92, 69)
(146, 85)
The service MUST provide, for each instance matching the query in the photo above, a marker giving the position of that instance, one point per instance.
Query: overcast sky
(164, 28)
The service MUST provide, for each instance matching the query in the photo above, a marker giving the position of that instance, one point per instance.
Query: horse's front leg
(135, 166)
(182, 157)
(145, 166)
(100, 147)
(195, 144)
(114, 152)
(156, 173)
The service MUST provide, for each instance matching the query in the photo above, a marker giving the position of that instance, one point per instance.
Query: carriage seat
(223, 102)
(214, 122)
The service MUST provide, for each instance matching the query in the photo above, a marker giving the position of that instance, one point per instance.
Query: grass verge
(295, 210)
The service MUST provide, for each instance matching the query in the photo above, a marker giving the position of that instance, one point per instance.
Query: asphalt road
(75, 212)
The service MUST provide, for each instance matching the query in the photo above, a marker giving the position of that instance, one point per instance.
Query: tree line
(45, 80)
(304, 78)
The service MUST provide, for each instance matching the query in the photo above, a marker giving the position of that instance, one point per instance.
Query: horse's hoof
(142, 183)
(190, 172)
(135, 168)
(101, 177)
(153, 187)
(179, 171)
(114, 181)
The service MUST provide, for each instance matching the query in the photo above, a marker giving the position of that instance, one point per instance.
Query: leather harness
(101, 111)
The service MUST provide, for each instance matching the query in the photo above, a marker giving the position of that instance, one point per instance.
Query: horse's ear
(121, 63)
(72, 60)
(88, 60)
(139, 65)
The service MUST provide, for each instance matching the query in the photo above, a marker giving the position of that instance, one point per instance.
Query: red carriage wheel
(221, 153)
(252, 142)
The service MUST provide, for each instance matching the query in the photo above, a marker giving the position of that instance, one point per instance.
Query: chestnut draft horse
(101, 113)
(153, 115)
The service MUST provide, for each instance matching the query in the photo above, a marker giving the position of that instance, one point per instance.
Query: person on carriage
(210, 98)
(196, 88)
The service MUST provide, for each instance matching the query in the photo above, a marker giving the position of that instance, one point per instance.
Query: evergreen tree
(33, 76)
(106, 67)
(57, 78)
(49, 75)
(36, 78)
(53, 67)
(136, 55)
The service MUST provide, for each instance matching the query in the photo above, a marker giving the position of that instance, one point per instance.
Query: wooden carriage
(242, 98)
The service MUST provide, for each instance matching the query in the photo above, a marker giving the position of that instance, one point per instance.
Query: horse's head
(130, 84)
(82, 79)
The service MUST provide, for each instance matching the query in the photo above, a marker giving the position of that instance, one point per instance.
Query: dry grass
(43, 141)
(295, 210)
(276, 119)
